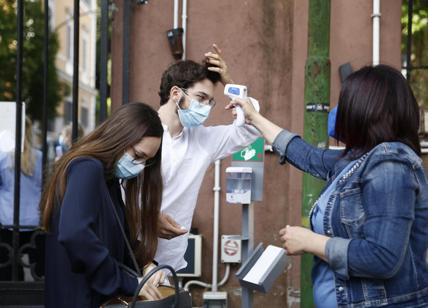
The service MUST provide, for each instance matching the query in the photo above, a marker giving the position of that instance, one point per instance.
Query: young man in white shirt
(188, 148)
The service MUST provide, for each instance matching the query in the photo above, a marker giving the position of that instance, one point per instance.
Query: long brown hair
(107, 143)
(28, 159)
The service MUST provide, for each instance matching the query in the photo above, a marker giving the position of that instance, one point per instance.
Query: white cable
(207, 285)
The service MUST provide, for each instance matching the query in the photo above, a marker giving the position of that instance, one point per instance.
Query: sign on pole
(8, 126)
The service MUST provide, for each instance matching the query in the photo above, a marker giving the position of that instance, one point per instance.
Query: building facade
(265, 44)
(62, 23)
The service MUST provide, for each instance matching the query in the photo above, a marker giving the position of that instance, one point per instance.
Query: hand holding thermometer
(239, 91)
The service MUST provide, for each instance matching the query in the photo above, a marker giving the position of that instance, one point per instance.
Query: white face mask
(195, 115)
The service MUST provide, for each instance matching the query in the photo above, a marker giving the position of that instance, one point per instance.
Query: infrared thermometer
(239, 91)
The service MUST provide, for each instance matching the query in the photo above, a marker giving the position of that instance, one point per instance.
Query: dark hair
(184, 74)
(107, 143)
(377, 105)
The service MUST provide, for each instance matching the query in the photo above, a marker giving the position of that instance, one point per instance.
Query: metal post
(216, 225)
(45, 88)
(317, 97)
(75, 105)
(125, 50)
(18, 137)
(103, 60)
(247, 248)
(409, 39)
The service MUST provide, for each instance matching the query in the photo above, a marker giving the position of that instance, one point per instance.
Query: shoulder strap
(128, 245)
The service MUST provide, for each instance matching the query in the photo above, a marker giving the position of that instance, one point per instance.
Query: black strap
(128, 245)
(150, 274)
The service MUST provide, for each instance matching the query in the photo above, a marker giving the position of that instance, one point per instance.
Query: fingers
(218, 64)
(169, 228)
(230, 105)
(150, 292)
(216, 69)
(216, 49)
(173, 232)
(243, 103)
(284, 230)
(162, 277)
(176, 231)
(172, 221)
(234, 103)
(174, 226)
(211, 56)
(215, 62)
(156, 279)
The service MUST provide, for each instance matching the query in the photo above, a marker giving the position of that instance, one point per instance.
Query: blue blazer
(85, 245)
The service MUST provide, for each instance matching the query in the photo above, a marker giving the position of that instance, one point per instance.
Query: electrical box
(193, 257)
(231, 248)
(238, 184)
(215, 299)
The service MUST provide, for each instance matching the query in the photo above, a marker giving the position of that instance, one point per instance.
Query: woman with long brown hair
(85, 249)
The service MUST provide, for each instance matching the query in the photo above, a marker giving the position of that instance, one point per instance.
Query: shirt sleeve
(87, 254)
(388, 197)
(1, 168)
(304, 156)
(223, 140)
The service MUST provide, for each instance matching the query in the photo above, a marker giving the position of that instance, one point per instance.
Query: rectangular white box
(231, 247)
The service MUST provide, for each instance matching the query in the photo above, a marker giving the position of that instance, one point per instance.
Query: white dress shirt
(185, 159)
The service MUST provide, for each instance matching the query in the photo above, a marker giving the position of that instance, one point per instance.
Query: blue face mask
(332, 122)
(195, 115)
(126, 168)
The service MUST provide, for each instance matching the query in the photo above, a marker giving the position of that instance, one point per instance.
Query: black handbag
(173, 297)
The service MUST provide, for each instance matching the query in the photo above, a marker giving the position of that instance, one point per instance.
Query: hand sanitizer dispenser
(238, 184)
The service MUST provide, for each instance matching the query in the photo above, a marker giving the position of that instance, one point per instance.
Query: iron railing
(19, 291)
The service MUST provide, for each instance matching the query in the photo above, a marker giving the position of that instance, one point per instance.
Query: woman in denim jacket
(369, 227)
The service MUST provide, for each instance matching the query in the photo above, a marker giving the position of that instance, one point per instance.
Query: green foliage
(420, 16)
(419, 56)
(32, 66)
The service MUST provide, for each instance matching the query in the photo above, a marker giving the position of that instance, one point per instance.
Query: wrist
(148, 267)
(254, 118)
(226, 80)
(308, 244)
(316, 244)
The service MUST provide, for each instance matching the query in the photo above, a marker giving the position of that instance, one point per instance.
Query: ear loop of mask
(180, 100)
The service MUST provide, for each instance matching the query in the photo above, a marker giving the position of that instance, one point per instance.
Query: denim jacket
(377, 221)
